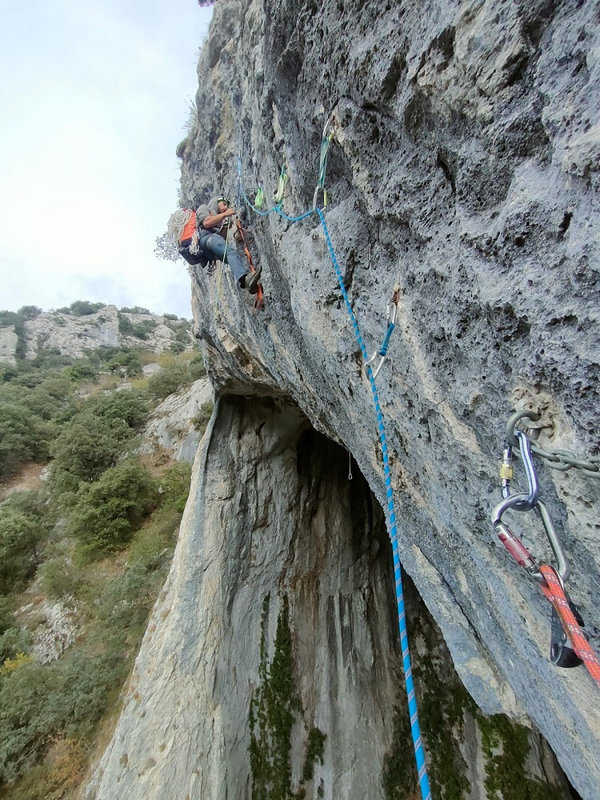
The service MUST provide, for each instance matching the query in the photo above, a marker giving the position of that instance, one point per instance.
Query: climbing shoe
(252, 280)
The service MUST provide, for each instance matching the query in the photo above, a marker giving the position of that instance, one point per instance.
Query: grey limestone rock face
(272, 515)
(8, 345)
(171, 424)
(465, 168)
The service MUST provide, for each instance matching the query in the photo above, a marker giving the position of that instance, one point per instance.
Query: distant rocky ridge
(72, 334)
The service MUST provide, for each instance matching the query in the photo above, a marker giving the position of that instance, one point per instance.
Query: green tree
(129, 407)
(7, 318)
(37, 702)
(106, 513)
(19, 437)
(20, 538)
(82, 308)
(125, 362)
(86, 446)
(13, 641)
(82, 370)
(134, 310)
(8, 372)
(29, 312)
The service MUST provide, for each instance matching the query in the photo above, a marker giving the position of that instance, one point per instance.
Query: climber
(205, 234)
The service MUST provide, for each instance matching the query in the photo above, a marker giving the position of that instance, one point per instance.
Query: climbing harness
(328, 134)
(391, 512)
(378, 357)
(569, 646)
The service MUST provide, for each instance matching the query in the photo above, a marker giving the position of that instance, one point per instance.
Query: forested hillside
(88, 523)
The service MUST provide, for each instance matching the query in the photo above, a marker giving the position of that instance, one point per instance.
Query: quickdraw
(328, 134)
(378, 357)
(259, 300)
(569, 645)
(259, 198)
(281, 184)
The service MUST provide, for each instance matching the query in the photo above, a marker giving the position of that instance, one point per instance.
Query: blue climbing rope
(393, 530)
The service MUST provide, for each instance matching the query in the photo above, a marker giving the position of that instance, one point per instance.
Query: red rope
(555, 593)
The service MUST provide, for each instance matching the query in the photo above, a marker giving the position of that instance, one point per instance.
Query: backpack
(181, 221)
(182, 226)
(189, 229)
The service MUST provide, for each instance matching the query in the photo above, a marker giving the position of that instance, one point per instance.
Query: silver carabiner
(516, 547)
(377, 359)
(512, 543)
(524, 451)
(559, 553)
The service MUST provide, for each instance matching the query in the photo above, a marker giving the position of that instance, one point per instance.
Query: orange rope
(258, 303)
(555, 593)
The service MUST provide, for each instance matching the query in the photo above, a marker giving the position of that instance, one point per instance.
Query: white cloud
(96, 103)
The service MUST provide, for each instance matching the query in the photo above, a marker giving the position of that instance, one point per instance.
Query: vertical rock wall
(273, 521)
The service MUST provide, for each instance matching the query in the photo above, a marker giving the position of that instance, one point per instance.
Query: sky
(94, 98)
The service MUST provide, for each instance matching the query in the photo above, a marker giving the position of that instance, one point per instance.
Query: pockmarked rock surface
(465, 169)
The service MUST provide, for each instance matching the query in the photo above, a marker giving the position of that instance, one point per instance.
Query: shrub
(168, 380)
(29, 312)
(128, 407)
(38, 702)
(27, 420)
(7, 616)
(86, 446)
(57, 777)
(7, 318)
(13, 639)
(106, 513)
(134, 310)
(174, 486)
(82, 370)
(200, 421)
(124, 605)
(18, 441)
(21, 535)
(46, 358)
(138, 329)
(12, 642)
(126, 363)
(82, 308)
(197, 368)
(152, 546)
(58, 577)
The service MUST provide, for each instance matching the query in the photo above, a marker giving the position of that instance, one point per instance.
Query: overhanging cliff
(465, 169)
